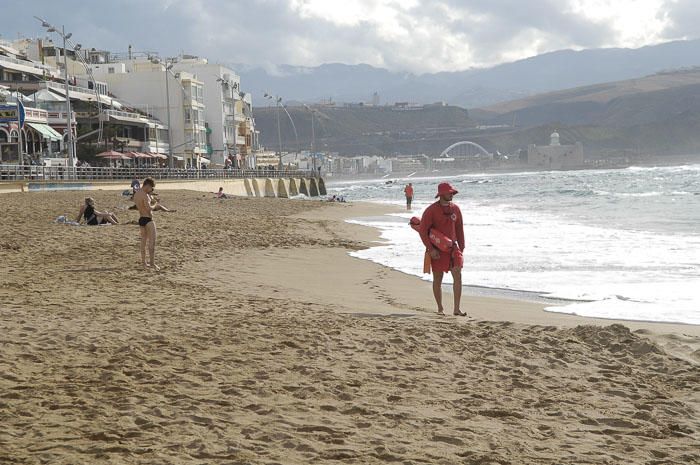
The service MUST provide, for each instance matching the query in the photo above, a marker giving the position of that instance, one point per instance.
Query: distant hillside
(470, 88)
(363, 130)
(659, 114)
(622, 103)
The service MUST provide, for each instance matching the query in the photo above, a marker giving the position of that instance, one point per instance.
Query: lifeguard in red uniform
(408, 190)
(445, 217)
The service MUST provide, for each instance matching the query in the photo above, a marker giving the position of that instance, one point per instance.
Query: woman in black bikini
(93, 217)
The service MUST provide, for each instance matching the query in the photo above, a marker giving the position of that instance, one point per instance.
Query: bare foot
(441, 313)
(459, 313)
(157, 268)
(146, 265)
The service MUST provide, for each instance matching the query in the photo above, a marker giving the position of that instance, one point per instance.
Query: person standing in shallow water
(445, 217)
(408, 190)
(147, 227)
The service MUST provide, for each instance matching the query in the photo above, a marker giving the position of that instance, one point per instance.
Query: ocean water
(621, 244)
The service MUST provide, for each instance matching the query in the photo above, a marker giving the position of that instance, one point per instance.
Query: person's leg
(457, 290)
(142, 230)
(151, 233)
(437, 290)
(106, 218)
(163, 209)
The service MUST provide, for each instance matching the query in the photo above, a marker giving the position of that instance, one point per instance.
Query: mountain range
(470, 88)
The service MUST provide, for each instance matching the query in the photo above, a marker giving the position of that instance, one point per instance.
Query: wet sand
(262, 341)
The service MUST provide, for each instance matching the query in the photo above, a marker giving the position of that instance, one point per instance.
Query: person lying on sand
(94, 217)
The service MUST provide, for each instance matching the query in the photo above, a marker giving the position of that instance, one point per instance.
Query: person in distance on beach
(147, 227)
(220, 194)
(94, 217)
(408, 190)
(445, 217)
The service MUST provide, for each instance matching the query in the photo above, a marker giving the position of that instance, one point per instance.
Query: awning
(45, 95)
(126, 119)
(88, 96)
(45, 130)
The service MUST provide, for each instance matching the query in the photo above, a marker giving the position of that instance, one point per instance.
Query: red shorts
(448, 261)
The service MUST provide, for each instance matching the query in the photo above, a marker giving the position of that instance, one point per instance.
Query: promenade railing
(100, 173)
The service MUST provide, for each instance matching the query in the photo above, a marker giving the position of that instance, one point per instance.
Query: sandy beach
(262, 342)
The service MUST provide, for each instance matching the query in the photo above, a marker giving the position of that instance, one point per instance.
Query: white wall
(214, 101)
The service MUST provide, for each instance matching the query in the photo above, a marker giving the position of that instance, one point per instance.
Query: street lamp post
(171, 160)
(71, 146)
(278, 102)
(69, 124)
(313, 137)
(279, 132)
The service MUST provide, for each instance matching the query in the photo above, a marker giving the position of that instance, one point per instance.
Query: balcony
(35, 115)
(26, 66)
(58, 118)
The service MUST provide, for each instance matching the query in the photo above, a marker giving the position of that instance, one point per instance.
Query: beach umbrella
(112, 155)
(158, 155)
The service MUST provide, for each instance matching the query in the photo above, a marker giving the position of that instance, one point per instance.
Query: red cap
(444, 188)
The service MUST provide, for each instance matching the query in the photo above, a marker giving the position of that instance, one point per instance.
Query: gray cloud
(684, 17)
(432, 36)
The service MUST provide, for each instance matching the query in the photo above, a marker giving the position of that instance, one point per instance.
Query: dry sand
(263, 342)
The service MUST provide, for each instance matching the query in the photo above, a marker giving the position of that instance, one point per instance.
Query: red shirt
(409, 191)
(445, 218)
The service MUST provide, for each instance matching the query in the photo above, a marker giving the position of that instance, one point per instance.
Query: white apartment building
(141, 84)
(230, 127)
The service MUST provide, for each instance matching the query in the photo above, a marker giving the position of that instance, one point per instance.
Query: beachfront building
(228, 111)
(555, 156)
(98, 120)
(43, 133)
(17, 71)
(142, 83)
(39, 140)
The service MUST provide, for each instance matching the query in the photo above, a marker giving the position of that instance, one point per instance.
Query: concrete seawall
(247, 187)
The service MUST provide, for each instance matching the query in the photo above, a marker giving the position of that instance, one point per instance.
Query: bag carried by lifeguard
(437, 238)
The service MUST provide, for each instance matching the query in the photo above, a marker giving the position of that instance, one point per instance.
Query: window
(110, 70)
(188, 116)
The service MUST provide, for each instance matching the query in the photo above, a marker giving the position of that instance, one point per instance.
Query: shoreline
(365, 209)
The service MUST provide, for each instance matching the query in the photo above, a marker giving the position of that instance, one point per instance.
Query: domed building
(555, 156)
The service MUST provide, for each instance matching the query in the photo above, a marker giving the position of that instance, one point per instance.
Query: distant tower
(375, 99)
(554, 138)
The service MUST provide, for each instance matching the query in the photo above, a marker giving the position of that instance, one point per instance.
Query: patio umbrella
(112, 155)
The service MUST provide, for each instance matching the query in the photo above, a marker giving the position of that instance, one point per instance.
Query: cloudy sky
(402, 35)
